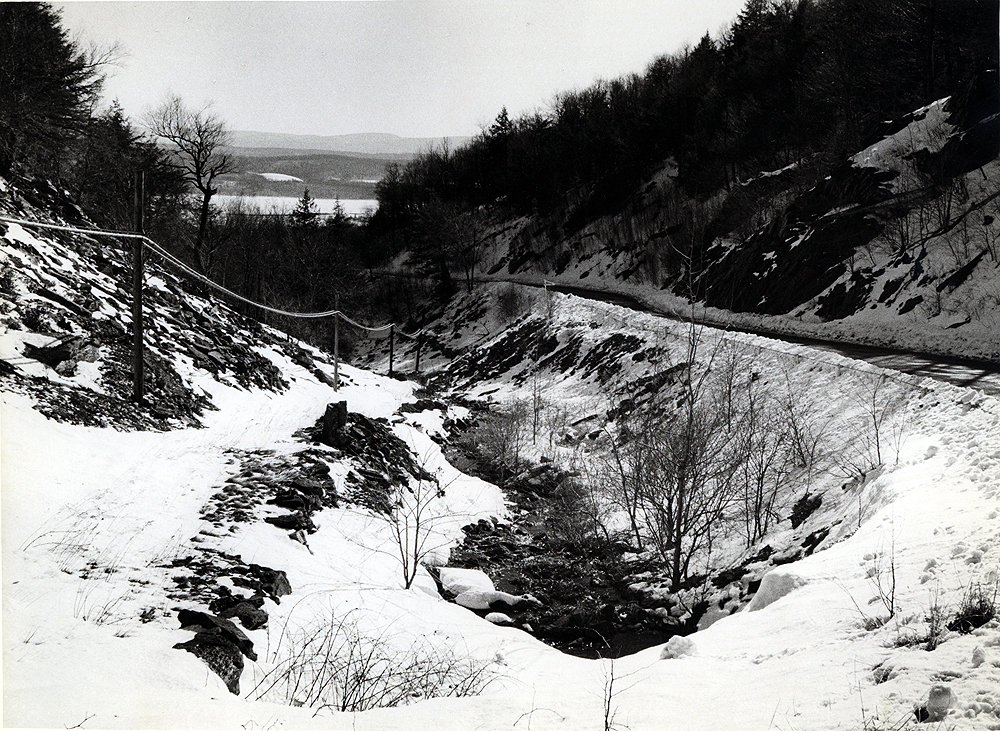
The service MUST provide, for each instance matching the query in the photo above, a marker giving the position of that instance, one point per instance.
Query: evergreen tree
(502, 126)
(306, 211)
(48, 86)
(102, 174)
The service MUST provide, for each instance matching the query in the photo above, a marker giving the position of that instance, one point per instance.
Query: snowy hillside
(229, 556)
(896, 246)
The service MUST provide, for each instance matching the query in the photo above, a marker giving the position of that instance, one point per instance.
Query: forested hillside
(817, 159)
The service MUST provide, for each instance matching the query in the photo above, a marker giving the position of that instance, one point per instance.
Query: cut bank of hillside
(898, 245)
(894, 243)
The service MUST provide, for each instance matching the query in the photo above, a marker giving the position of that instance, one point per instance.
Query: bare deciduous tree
(411, 522)
(200, 137)
(676, 462)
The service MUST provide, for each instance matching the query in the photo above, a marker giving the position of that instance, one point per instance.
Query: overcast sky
(415, 68)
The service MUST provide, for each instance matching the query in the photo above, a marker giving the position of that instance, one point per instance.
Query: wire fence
(194, 274)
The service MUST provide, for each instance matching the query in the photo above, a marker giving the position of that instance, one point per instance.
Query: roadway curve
(958, 371)
(966, 372)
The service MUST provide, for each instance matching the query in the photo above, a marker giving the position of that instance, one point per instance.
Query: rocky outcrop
(219, 643)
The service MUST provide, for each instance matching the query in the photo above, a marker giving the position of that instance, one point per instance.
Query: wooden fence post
(137, 360)
(392, 340)
(336, 342)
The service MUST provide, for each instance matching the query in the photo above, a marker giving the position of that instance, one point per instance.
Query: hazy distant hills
(368, 143)
(336, 166)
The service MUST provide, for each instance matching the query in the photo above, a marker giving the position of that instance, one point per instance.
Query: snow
(129, 501)
(461, 580)
(280, 177)
(777, 583)
(286, 204)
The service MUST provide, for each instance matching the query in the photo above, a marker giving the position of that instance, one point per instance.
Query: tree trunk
(199, 240)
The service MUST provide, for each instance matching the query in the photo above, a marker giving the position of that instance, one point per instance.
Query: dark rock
(55, 353)
(814, 539)
(250, 616)
(273, 583)
(334, 421)
(322, 377)
(310, 487)
(292, 521)
(220, 654)
(422, 405)
(762, 555)
(806, 505)
(292, 500)
(728, 576)
(190, 618)
(226, 600)
(789, 557)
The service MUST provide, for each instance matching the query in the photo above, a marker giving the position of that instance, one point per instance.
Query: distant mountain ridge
(367, 143)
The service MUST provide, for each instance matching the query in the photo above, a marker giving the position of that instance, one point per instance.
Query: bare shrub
(882, 426)
(333, 665)
(882, 577)
(977, 607)
(578, 514)
(933, 632)
(502, 435)
(677, 460)
(411, 521)
(766, 455)
(806, 428)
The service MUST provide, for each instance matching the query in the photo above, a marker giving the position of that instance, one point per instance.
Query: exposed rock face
(201, 621)
(272, 582)
(250, 615)
(63, 354)
(81, 315)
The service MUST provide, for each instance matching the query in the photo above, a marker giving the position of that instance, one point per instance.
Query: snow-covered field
(280, 177)
(286, 204)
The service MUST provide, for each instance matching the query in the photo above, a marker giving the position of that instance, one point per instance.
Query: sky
(415, 68)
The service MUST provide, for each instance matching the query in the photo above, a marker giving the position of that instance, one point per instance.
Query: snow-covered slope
(898, 245)
(121, 523)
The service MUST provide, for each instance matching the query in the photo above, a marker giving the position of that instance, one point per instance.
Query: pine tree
(48, 85)
(306, 212)
(502, 126)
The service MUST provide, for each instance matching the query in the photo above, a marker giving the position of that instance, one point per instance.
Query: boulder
(200, 621)
(250, 616)
(298, 521)
(272, 582)
(334, 422)
(220, 654)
